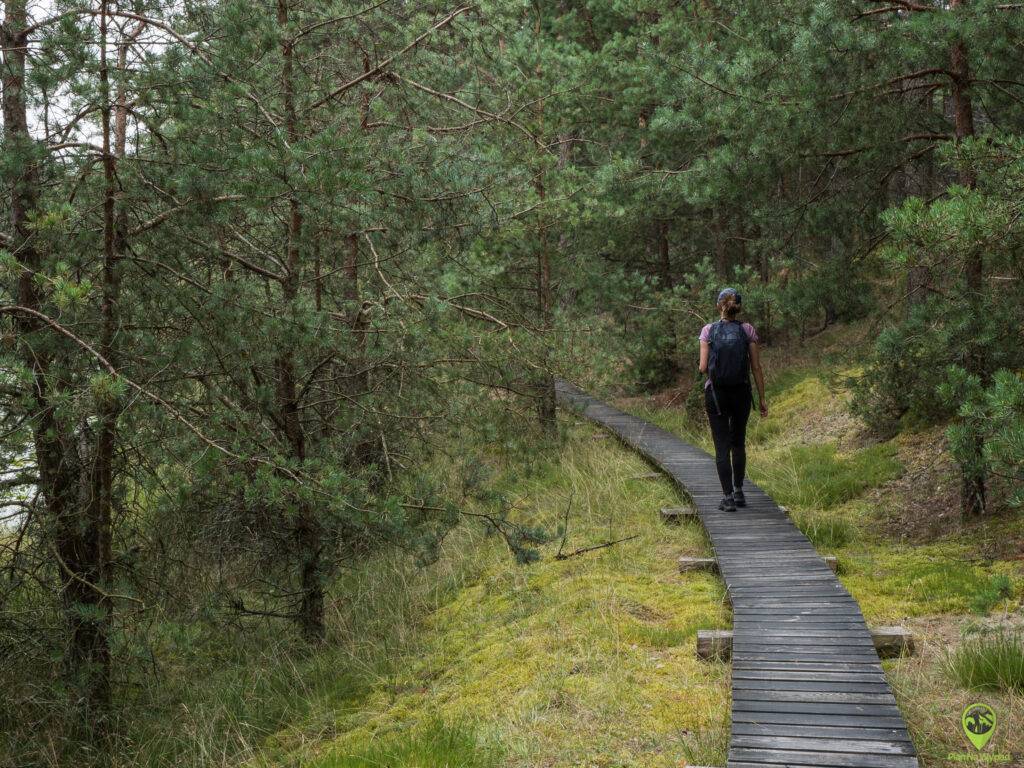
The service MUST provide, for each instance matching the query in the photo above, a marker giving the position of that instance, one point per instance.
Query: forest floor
(477, 661)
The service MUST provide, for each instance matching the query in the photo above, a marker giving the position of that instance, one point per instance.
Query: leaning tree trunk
(972, 496)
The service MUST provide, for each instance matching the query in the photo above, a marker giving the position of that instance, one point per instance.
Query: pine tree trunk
(721, 246)
(307, 532)
(98, 511)
(919, 283)
(664, 260)
(973, 491)
(545, 380)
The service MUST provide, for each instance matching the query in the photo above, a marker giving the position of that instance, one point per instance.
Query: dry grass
(932, 700)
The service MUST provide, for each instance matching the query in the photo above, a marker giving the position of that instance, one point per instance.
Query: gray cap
(729, 292)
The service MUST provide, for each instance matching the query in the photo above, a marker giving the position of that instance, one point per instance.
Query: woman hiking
(728, 352)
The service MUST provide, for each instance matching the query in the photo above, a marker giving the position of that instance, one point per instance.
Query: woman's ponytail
(730, 307)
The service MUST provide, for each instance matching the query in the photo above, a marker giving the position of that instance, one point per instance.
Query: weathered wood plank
(855, 732)
(851, 686)
(678, 514)
(812, 675)
(808, 719)
(830, 697)
(806, 665)
(820, 759)
(877, 746)
(817, 708)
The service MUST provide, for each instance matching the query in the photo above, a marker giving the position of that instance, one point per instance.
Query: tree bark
(721, 247)
(545, 384)
(973, 490)
(664, 260)
(546, 380)
(919, 284)
(307, 531)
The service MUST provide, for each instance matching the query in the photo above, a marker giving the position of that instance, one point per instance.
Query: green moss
(998, 589)
(892, 582)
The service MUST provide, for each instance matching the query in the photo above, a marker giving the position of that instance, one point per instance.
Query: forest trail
(807, 685)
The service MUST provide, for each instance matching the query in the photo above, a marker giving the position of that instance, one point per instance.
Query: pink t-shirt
(705, 335)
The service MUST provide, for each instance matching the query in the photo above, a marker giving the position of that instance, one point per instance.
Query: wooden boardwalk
(807, 685)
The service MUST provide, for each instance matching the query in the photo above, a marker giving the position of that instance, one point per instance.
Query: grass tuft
(432, 745)
(825, 533)
(989, 662)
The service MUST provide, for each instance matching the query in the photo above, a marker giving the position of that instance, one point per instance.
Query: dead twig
(584, 550)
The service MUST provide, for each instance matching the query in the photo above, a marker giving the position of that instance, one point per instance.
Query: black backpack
(729, 361)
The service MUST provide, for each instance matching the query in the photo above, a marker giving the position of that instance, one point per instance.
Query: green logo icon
(979, 722)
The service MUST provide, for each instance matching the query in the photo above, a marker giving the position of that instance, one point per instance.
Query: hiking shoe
(739, 498)
(727, 504)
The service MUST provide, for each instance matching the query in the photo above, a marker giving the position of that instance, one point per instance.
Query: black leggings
(729, 431)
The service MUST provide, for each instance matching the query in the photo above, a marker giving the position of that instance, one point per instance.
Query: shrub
(998, 589)
(902, 379)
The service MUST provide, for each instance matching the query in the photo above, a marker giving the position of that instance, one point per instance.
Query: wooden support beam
(890, 642)
(714, 644)
(711, 564)
(678, 514)
(687, 564)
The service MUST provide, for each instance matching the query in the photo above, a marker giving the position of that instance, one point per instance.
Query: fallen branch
(584, 550)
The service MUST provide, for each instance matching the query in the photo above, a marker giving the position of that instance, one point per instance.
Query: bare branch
(374, 71)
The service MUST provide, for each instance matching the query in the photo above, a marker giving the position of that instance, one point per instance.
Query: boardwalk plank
(857, 732)
(821, 759)
(822, 744)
